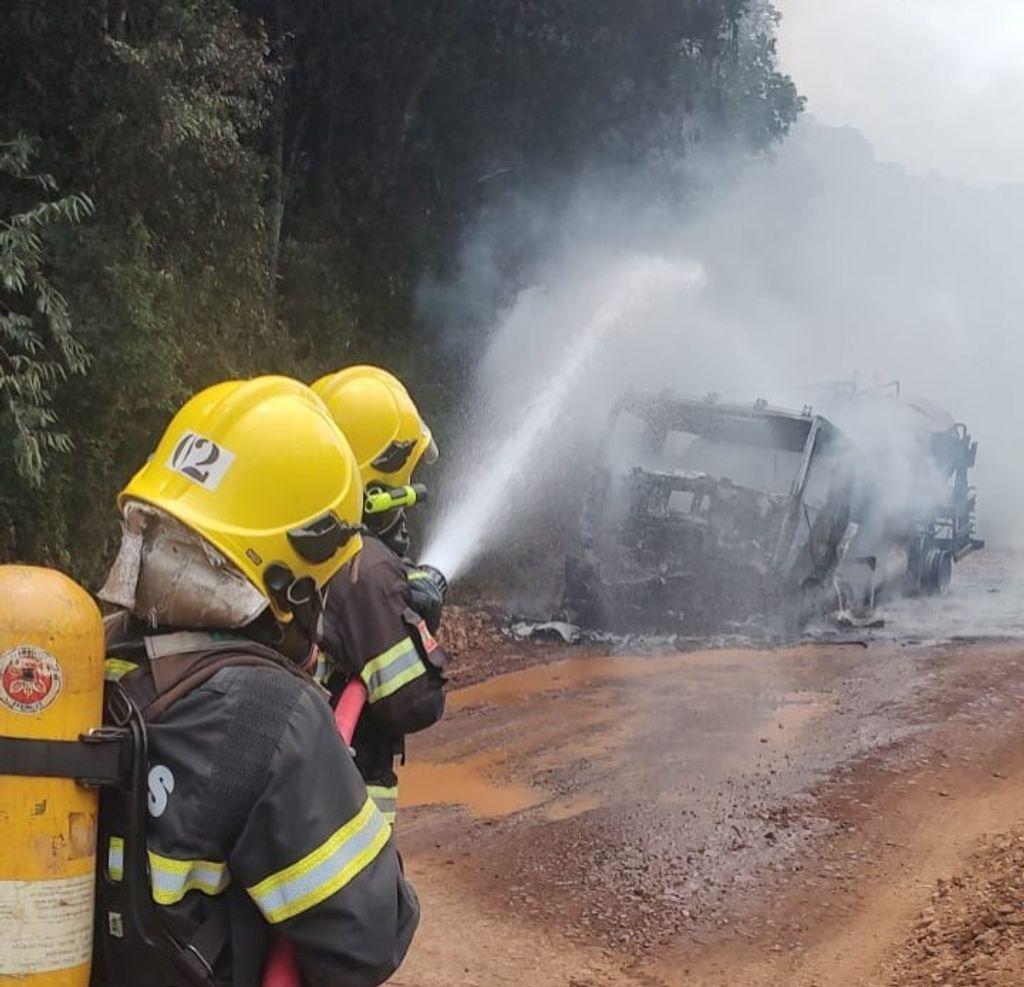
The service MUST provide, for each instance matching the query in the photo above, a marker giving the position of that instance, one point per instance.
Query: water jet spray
(498, 470)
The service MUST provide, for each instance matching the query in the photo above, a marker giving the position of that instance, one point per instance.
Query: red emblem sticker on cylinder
(29, 679)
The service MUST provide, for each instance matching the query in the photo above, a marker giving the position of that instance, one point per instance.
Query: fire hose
(281, 969)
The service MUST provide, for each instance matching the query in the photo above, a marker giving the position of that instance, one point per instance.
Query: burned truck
(708, 517)
(914, 506)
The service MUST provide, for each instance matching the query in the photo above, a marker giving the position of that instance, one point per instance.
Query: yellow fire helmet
(260, 470)
(381, 421)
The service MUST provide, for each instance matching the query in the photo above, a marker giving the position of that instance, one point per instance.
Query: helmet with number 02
(381, 421)
(259, 469)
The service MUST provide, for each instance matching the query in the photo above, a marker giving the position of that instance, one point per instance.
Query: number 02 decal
(201, 460)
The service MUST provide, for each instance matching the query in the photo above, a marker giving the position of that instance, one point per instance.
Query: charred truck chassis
(744, 518)
(696, 549)
(915, 555)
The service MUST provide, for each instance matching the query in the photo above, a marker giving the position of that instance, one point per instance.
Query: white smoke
(820, 265)
(932, 83)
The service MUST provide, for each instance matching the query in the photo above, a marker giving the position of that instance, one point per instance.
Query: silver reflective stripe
(173, 879)
(322, 672)
(326, 870)
(388, 672)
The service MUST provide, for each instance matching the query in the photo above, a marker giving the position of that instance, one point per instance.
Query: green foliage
(37, 347)
(152, 109)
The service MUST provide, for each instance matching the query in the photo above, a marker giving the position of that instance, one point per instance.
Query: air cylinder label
(30, 679)
(47, 925)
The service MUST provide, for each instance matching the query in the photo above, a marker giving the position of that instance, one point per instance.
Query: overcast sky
(937, 85)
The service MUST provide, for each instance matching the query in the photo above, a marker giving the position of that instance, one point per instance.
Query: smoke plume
(820, 265)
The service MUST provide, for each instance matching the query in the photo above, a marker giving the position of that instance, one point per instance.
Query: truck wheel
(938, 572)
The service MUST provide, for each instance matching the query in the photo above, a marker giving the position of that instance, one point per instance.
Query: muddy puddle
(480, 791)
(575, 674)
(569, 674)
(576, 735)
(472, 784)
(552, 724)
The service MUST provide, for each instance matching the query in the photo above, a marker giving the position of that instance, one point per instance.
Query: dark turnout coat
(380, 615)
(258, 822)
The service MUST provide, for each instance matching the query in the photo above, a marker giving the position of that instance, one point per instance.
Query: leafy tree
(38, 349)
(149, 107)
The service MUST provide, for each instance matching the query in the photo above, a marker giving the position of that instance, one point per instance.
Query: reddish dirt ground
(823, 814)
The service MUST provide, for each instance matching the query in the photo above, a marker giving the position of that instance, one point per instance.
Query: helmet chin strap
(395, 535)
(307, 603)
(387, 521)
(302, 597)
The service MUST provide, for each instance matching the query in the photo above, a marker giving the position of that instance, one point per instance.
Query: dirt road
(826, 814)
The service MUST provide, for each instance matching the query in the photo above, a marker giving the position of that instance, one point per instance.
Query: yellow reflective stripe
(388, 672)
(115, 858)
(116, 668)
(173, 879)
(416, 574)
(386, 799)
(324, 871)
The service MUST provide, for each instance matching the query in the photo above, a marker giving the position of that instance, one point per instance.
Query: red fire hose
(349, 709)
(281, 969)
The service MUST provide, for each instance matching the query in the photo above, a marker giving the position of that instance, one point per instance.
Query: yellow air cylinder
(51, 687)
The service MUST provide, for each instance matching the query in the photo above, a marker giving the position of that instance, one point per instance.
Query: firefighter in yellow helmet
(381, 613)
(389, 438)
(247, 817)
